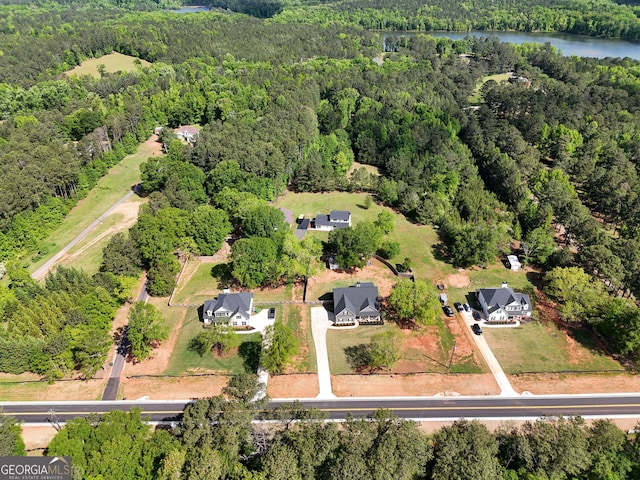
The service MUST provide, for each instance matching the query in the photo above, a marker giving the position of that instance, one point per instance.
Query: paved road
(44, 269)
(595, 406)
(319, 325)
(111, 390)
(496, 369)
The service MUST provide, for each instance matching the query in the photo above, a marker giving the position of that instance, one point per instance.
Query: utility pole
(453, 350)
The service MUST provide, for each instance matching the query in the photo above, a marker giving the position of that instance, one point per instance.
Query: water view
(578, 45)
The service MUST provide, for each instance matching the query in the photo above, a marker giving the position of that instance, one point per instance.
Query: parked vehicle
(447, 311)
(272, 313)
(443, 298)
(466, 307)
(476, 329)
(458, 306)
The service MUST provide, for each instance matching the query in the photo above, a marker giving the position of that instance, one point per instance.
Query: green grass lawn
(339, 340)
(535, 347)
(416, 241)
(183, 360)
(202, 285)
(110, 188)
(476, 96)
(15, 392)
(113, 62)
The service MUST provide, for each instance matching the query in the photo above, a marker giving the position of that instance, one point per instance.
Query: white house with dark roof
(229, 308)
(356, 304)
(503, 304)
(335, 219)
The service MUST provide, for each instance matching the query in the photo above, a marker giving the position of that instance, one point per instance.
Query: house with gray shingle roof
(503, 304)
(232, 309)
(356, 304)
(335, 219)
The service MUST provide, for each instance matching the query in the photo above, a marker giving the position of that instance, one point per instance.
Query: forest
(216, 439)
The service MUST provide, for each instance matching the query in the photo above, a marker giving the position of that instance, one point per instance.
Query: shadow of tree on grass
(358, 356)
(250, 353)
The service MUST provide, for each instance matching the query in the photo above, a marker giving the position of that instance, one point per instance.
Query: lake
(569, 45)
(190, 9)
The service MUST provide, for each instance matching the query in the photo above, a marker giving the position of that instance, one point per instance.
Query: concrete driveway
(260, 321)
(506, 390)
(320, 323)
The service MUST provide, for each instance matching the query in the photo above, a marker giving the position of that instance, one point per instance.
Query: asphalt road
(602, 406)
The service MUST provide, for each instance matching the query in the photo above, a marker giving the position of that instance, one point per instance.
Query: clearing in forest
(113, 62)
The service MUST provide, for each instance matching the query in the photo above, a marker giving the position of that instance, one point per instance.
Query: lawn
(340, 339)
(184, 360)
(535, 347)
(476, 97)
(202, 285)
(15, 392)
(114, 62)
(110, 188)
(416, 241)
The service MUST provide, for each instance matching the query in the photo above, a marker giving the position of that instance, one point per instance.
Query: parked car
(476, 329)
(466, 307)
(272, 313)
(458, 306)
(447, 311)
(477, 316)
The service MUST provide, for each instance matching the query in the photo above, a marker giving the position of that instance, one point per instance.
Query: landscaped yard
(184, 360)
(340, 339)
(416, 241)
(202, 284)
(114, 62)
(476, 96)
(537, 347)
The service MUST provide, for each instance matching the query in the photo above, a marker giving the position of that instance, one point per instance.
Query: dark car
(447, 311)
(272, 313)
(466, 307)
(477, 316)
(476, 329)
(458, 306)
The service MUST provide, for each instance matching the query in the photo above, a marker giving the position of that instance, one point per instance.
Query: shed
(514, 263)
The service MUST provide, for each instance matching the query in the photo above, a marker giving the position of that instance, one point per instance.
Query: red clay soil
(293, 386)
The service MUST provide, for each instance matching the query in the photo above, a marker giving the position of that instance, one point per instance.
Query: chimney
(505, 285)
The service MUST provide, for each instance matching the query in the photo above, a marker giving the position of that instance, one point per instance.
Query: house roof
(356, 299)
(230, 302)
(340, 215)
(496, 298)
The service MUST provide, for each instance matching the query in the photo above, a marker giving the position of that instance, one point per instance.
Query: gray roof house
(335, 219)
(229, 308)
(503, 304)
(356, 304)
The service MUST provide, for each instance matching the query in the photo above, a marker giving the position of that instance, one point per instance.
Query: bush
(389, 250)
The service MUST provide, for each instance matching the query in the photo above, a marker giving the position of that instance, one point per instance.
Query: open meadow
(113, 62)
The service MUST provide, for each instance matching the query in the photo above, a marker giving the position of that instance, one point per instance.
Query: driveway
(506, 390)
(260, 321)
(319, 325)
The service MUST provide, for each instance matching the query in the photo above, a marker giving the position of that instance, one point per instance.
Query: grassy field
(292, 316)
(476, 96)
(416, 241)
(183, 360)
(339, 340)
(113, 186)
(369, 168)
(114, 62)
(202, 285)
(535, 347)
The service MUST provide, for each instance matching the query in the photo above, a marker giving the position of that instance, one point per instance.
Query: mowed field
(113, 62)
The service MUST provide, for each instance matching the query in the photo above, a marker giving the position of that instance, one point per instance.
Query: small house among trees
(229, 308)
(357, 304)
